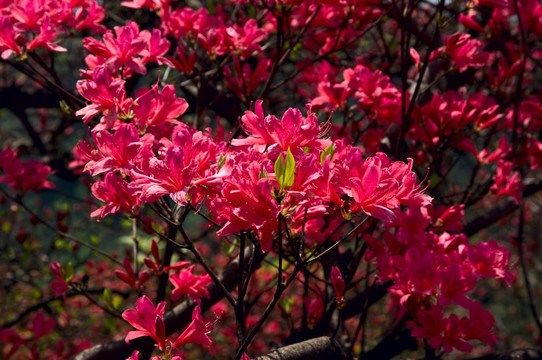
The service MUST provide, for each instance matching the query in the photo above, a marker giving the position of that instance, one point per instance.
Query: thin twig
(209, 271)
(56, 230)
(276, 297)
(46, 302)
(313, 259)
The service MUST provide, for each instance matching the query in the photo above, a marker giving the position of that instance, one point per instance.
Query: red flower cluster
(22, 176)
(44, 21)
(148, 321)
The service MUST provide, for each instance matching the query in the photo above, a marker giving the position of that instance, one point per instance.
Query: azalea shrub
(293, 179)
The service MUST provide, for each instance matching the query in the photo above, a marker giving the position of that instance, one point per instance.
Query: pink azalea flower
(454, 336)
(8, 36)
(376, 94)
(117, 151)
(192, 285)
(333, 94)
(147, 320)
(107, 96)
(152, 107)
(29, 13)
(185, 167)
(377, 185)
(181, 22)
(480, 324)
(90, 18)
(157, 47)
(455, 281)
(491, 261)
(8, 336)
(292, 132)
(44, 39)
(24, 176)
(171, 176)
(315, 310)
(373, 191)
(129, 276)
(247, 203)
(463, 51)
(195, 333)
(416, 274)
(409, 193)
(83, 153)
(124, 49)
(41, 326)
(507, 182)
(323, 187)
(245, 39)
(118, 196)
(59, 286)
(431, 326)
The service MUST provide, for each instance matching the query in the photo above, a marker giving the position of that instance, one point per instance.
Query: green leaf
(287, 304)
(279, 170)
(221, 161)
(285, 170)
(68, 273)
(117, 300)
(434, 179)
(228, 248)
(211, 7)
(330, 150)
(108, 298)
(252, 12)
(289, 175)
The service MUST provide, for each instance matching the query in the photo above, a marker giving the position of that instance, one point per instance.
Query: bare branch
(321, 348)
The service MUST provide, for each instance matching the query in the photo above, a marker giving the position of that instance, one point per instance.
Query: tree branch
(321, 348)
(500, 211)
(516, 354)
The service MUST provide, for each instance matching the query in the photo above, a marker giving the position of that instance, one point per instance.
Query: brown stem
(321, 348)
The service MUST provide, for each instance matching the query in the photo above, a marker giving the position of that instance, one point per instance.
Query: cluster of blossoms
(148, 320)
(23, 176)
(28, 25)
(432, 267)
(285, 169)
